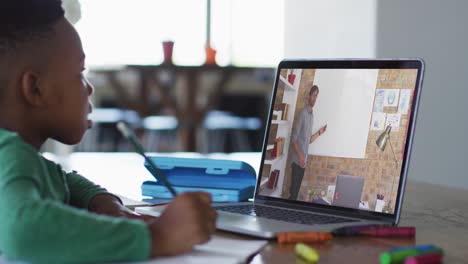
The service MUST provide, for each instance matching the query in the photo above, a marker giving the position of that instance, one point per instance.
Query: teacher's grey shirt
(302, 133)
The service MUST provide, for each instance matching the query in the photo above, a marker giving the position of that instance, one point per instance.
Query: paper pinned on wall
(391, 97)
(378, 121)
(379, 100)
(403, 106)
(394, 121)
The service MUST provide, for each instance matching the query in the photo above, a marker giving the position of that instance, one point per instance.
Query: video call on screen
(344, 165)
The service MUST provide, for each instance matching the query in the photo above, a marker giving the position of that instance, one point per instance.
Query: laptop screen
(339, 133)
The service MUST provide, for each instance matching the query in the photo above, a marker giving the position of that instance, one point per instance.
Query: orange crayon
(303, 237)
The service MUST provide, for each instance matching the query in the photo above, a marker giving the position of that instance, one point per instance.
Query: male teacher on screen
(301, 138)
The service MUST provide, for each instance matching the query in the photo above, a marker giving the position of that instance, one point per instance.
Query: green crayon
(400, 255)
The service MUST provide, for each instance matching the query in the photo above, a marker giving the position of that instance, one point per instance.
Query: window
(244, 33)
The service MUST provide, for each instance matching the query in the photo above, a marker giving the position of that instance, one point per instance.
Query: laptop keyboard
(283, 214)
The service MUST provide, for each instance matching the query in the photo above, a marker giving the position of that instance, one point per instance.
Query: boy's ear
(31, 90)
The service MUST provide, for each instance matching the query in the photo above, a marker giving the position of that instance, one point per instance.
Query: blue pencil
(159, 175)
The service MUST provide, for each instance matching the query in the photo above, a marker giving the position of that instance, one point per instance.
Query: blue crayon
(419, 248)
(399, 256)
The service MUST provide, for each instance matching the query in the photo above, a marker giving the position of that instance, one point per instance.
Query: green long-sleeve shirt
(44, 217)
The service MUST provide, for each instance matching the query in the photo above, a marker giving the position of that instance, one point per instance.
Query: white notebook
(217, 250)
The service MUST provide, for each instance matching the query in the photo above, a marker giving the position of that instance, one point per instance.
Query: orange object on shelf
(210, 55)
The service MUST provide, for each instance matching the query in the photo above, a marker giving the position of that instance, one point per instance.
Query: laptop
(358, 121)
(348, 191)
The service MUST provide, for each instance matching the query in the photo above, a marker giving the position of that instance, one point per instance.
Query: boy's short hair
(21, 22)
(26, 20)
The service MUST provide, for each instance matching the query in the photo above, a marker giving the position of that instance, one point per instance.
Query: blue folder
(225, 180)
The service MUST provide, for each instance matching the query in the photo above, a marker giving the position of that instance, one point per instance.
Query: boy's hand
(109, 205)
(187, 221)
(106, 204)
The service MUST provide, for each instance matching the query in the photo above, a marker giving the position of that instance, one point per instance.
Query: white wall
(437, 32)
(329, 28)
(431, 29)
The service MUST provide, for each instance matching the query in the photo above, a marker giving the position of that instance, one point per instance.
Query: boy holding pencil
(48, 215)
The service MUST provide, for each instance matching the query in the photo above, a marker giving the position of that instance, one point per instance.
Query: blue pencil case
(225, 180)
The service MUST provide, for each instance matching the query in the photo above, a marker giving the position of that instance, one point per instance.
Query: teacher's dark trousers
(296, 180)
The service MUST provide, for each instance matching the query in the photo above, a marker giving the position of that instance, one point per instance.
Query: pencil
(159, 175)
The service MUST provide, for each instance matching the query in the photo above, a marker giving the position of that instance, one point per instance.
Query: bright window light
(244, 33)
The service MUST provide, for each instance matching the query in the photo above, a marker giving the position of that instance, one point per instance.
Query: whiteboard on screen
(345, 105)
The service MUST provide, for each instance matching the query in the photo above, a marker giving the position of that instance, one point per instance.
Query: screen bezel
(412, 63)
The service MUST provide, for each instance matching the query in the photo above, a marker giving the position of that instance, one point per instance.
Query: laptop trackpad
(262, 227)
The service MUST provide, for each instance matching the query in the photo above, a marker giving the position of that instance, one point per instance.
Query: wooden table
(440, 214)
(163, 78)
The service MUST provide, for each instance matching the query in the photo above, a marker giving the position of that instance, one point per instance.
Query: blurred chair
(160, 133)
(224, 128)
(104, 136)
(236, 125)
